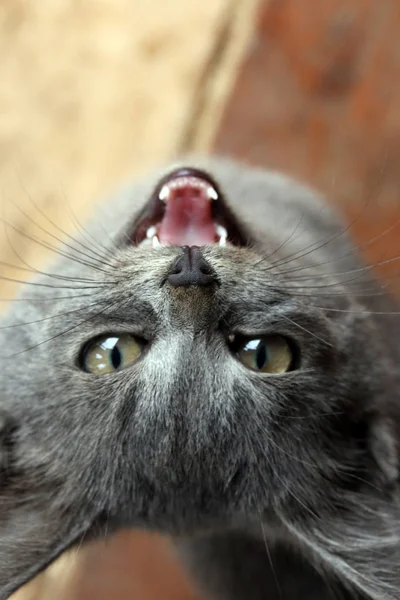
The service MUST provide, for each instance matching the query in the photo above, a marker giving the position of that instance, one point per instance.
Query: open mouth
(186, 209)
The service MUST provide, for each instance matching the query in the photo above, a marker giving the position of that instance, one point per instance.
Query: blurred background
(96, 91)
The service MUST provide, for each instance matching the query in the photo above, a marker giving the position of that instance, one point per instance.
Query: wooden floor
(317, 96)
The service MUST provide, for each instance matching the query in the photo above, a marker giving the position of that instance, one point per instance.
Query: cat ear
(384, 449)
(36, 525)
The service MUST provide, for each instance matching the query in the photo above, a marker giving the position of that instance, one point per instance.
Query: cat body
(272, 485)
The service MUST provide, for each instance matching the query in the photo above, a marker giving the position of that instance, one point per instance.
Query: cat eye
(271, 354)
(110, 353)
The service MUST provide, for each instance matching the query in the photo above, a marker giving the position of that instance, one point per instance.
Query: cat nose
(191, 269)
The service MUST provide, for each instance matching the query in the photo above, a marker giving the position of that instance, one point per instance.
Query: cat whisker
(309, 416)
(359, 295)
(112, 240)
(355, 311)
(59, 287)
(314, 515)
(364, 269)
(275, 576)
(105, 533)
(84, 232)
(34, 271)
(81, 541)
(314, 335)
(351, 555)
(60, 334)
(338, 284)
(361, 270)
(319, 244)
(52, 248)
(368, 244)
(63, 314)
(392, 285)
(51, 299)
(362, 480)
(290, 455)
(93, 256)
(286, 241)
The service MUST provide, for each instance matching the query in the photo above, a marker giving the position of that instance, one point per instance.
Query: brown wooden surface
(318, 97)
(130, 566)
(138, 567)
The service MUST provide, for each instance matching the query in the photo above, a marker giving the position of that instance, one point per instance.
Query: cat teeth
(151, 239)
(223, 235)
(165, 193)
(151, 232)
(212, 193)
(184, 182)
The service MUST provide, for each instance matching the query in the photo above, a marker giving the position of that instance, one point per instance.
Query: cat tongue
(187, 220)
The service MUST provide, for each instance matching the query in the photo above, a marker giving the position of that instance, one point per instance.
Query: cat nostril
(178, 267)
(205, 268)
(191, 269)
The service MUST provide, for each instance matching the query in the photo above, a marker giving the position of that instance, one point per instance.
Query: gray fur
(244, 470)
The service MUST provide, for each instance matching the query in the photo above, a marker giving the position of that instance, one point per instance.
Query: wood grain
(318, 97)
(92, 93)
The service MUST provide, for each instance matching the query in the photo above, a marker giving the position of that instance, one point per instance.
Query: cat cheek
(383, 447)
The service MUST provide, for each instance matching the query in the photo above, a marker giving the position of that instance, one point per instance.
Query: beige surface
(93, 92)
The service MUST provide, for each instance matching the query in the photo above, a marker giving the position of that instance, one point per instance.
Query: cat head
(195, 359)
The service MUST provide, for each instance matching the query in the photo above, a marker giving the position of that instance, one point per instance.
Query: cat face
(198, 360)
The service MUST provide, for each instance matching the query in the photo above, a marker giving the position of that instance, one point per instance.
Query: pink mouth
(186, 209)
(188, 218)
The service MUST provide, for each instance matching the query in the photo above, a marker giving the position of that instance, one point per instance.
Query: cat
(211, 359)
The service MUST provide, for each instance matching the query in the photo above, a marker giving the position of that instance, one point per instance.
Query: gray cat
(212, 360)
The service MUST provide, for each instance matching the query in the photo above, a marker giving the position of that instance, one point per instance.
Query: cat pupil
(261, 356)
(116, 357)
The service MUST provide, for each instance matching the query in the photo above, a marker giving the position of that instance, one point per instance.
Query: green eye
(110, 353)
(271, 354)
